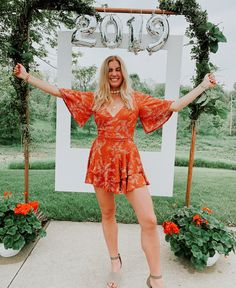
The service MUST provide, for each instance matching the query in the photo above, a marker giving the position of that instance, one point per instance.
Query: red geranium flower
(34, 205)
(7, 194)
(209, 211)
(170, 228)
(199, 220)
(23, 209)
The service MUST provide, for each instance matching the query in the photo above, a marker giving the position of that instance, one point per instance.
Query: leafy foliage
(204, 37)
(200, 235)
(16, 230)
(23, 34)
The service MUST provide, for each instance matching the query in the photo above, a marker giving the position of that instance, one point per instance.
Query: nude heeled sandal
(154, 277)
(114, 278)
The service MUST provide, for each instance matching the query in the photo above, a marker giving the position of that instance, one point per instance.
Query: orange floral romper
(114, 162)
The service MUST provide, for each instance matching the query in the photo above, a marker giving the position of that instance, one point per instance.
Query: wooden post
(191, 162)
(133, 11)
(26, 149)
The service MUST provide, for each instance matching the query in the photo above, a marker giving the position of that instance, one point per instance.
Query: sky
(153, 67)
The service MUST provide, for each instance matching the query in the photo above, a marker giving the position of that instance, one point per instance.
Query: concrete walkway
(73, 255)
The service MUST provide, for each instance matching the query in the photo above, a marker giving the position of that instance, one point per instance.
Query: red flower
(7, 194)
(198, 220)
(209, 211)
(34, 205)
(196, 217)
(170, 228)
(23, 209)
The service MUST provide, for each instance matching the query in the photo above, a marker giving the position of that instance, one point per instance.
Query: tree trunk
(190, 165)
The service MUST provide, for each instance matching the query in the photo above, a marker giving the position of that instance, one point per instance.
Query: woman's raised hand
(20, 72)
(209, 81)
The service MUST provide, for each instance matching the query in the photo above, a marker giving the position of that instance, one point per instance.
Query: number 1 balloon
(135, 34)
(157, 26)
(111, 40)
(86, 25)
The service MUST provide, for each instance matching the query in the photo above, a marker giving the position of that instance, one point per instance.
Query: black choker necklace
(115, 91)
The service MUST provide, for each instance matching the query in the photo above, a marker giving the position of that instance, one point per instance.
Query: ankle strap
(155, 277)
(116, 257)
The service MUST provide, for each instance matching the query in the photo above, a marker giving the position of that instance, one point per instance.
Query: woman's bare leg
(141, 202)
(107, 206)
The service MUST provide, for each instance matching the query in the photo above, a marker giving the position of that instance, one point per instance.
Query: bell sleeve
(153, 112)
(79, 104)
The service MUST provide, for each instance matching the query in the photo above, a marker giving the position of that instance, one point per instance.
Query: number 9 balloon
(86, 25)
(157, 26)
(111, 20)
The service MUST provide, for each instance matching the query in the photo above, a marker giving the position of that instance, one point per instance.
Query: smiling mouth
(114, 79)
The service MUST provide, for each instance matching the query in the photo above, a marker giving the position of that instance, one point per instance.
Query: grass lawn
(214, 188)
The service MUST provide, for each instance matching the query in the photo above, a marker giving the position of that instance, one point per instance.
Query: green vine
(204, 37)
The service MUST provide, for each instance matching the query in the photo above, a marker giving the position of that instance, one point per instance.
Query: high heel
(154, 277)
(114, 278)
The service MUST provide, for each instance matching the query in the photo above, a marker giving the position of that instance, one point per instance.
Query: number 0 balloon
(111, 40)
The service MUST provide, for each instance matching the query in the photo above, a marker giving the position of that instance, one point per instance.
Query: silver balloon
(85, 25)
(158, 27)
(135, 34)
(111, 40)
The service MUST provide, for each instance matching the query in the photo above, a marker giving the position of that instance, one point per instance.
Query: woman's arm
(20, 72)
(208, 82)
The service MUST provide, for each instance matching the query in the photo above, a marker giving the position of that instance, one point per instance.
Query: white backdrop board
(71, 163)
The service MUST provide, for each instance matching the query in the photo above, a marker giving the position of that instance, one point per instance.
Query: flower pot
(212, 260)
(7, 252)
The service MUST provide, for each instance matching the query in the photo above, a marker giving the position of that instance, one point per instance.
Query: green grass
(214, 188)
(182, 162)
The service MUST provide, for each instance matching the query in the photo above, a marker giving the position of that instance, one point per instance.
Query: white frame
(158, 166)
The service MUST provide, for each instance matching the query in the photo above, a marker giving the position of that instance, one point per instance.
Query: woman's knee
(149, 222)
(108, 213)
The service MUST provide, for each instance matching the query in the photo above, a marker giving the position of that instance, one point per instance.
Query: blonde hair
(102, 95)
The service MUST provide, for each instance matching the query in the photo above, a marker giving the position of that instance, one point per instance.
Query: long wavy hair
(102, 95)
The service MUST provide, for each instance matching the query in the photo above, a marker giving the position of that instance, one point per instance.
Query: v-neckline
(113, 116)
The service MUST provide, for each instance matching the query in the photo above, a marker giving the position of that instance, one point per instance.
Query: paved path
(73, 255)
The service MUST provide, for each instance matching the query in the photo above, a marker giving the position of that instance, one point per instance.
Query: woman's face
(115, 76)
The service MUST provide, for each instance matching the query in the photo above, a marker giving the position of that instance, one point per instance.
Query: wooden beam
(133, 11)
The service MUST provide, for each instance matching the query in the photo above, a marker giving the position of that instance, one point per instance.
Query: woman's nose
(113, 72)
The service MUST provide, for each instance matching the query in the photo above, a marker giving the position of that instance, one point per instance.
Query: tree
(139, 85)
(84, 77)
(9, 117)
(21, 39)
(204, 38)
(232, 116)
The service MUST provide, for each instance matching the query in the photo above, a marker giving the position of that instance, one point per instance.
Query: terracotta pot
(7, 252)
(212, 260)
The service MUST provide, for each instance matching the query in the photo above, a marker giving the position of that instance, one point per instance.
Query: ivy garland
(204, 38)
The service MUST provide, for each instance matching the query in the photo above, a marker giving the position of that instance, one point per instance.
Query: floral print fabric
(114, 162)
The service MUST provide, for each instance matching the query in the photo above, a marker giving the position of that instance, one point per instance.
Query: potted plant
(194, 233)
(19, 224)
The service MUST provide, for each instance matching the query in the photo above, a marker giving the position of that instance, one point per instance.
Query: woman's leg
(141, 201)
(107, 206)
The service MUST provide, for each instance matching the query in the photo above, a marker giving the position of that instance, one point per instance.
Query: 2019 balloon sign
(157, 27)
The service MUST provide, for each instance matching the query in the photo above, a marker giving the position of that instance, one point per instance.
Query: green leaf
(8, 241)
(202, 98)
(19, 243)
(12, 231)
(42, 233)
(9, 222)
(214, 47)
(3, 207)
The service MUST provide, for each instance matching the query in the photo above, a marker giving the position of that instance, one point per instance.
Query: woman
(114, 164)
